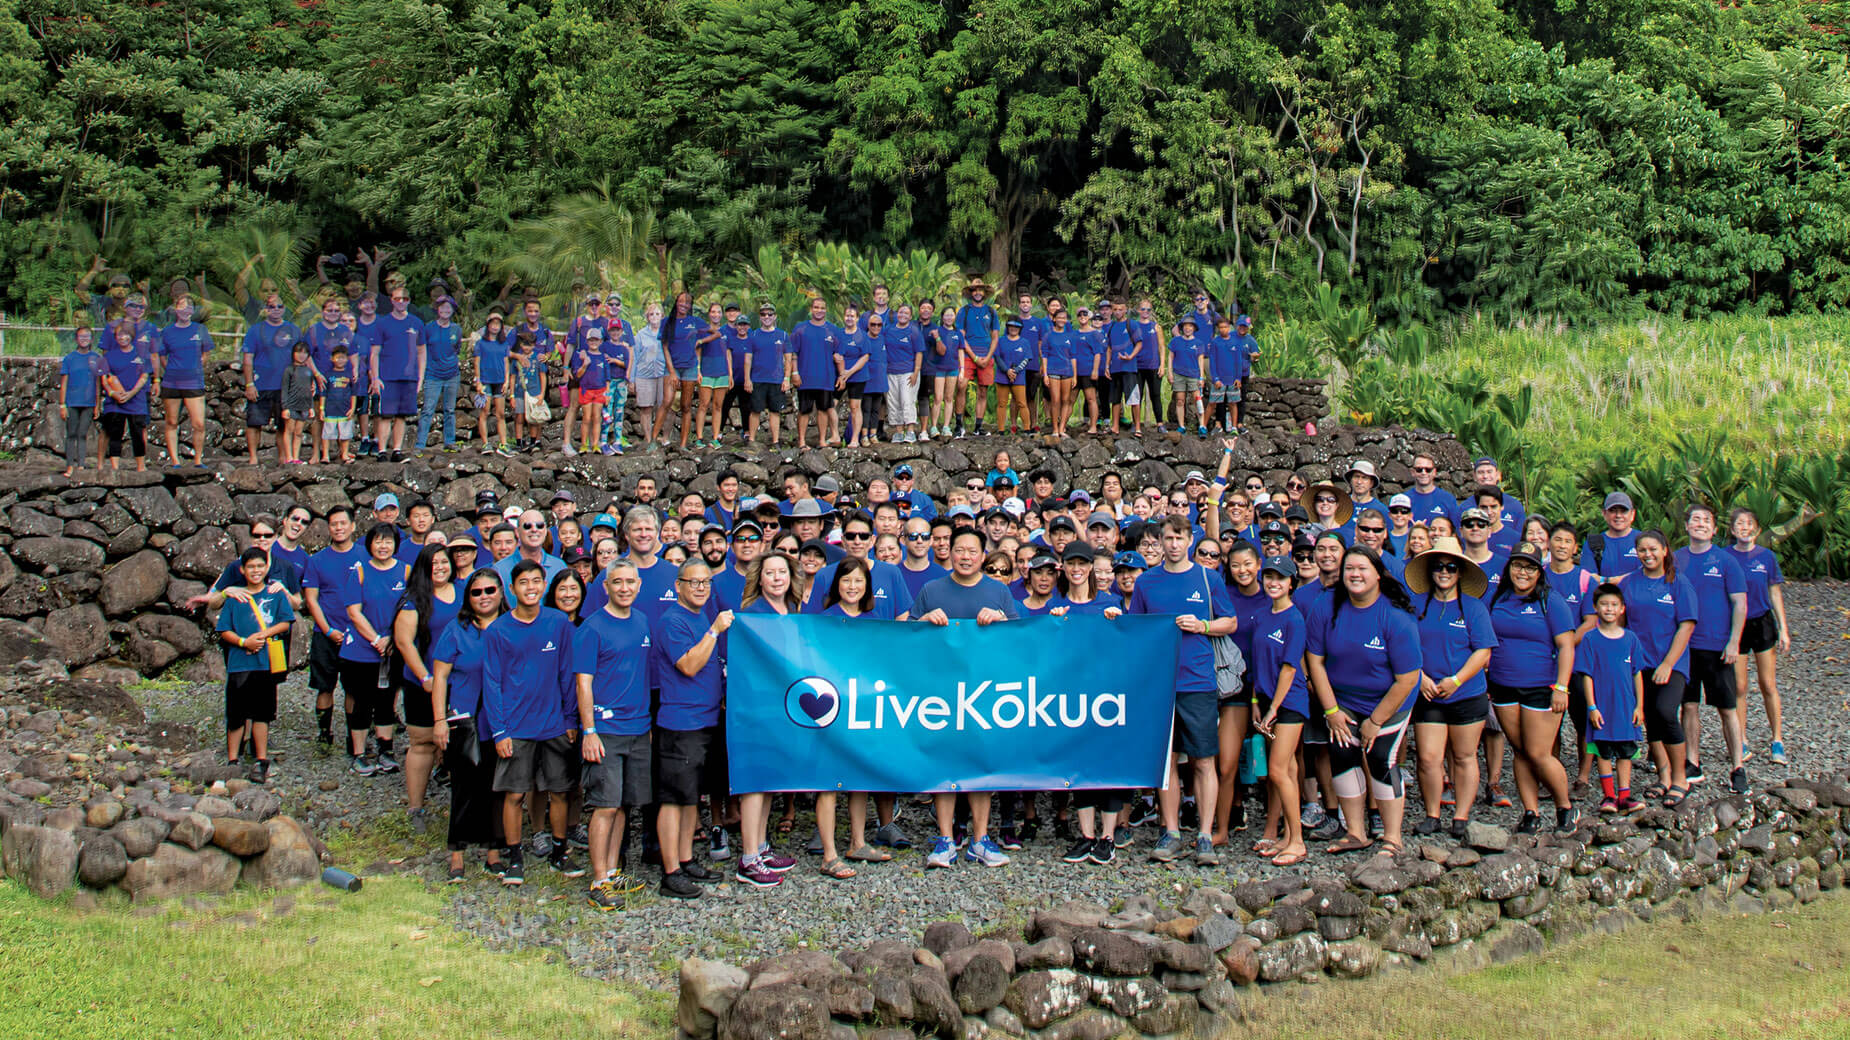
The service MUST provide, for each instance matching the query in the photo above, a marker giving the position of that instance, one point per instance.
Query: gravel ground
(363, 821)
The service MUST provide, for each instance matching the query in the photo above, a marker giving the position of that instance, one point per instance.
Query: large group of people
(339, 374)
(566, 672)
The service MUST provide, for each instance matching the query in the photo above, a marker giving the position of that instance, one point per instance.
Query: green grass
(312, 963)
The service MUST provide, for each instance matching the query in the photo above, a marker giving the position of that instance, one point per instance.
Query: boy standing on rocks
(253, 667)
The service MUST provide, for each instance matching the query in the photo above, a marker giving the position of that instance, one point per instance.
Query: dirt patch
(89, 697)
(170, 735)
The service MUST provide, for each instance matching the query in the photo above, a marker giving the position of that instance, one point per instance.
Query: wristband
(1327, 712)
(590, 730)
(1557, 687)
(1456, 681)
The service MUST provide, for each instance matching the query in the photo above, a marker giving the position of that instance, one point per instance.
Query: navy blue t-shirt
(1196, 591)
(961, 601)
(1717, 578)
(1613, 664)
(1363, 648)
(614, 652)
(1449, 634)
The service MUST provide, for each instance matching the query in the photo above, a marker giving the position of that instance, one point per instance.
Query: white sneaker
(925, 435)
(943, 853)
(569, 450)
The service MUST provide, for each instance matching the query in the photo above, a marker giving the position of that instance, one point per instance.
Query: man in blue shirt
(768, 372)
(1613, 553)
(395, 355)
(982, 331)
(1721, 615)
(440, 374)
(324, 591)
(610, 653)
(815, 344)
(266, 354)
(690, 663)
(905, 363)
(911, 501)
(531, 530)
(1429, 499)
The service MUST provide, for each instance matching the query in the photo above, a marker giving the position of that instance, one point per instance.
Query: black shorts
(266, 410)
(855, 391)
(1197, 732)
(493, 389)
(1452, 712)
(1710, 680)
(175, 393)
(323, 663)
(623, 777)
(812, 401)
(1532, 698)
(546, 765)
(1126, 382)
(768, 397)
(249, 695)
(1760, 634)
(681, 764)
(1086, 383)
(1290, 717)
(1316, 727)
(1037, 382)
(418, 709)
(1615, 750)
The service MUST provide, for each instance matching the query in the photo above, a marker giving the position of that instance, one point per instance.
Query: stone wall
(1081, 972)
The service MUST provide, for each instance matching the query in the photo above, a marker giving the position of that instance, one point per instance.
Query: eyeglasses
(1296, 485)
(486, 590)
(1255, 487)
(1206, 555)
(856, 536)
(1425, 469)
(263, 534)
(1445, 567)
(695, 583)
(135, 306)
(1302, 557)
(1321, 499)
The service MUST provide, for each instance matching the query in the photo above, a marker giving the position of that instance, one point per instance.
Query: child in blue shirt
(1609, 665)
(246, 625)
(79, 375)
(337, 404)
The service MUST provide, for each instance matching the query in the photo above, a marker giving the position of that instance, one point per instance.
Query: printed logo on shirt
(1277, 636)
(1712, 572)
(549, 647)
(1530, 609)
(1667, 599)
(1194, 597)
(1457, 622)
(1374, 643)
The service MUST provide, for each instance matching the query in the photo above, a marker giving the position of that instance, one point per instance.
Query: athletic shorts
(1197, 732)
(337, 430)
(323, 652)
(1316, 727)
(399, 398)
(1288, 717)
(546, 765)
(984, 376)
(1187, 386)
(1086, 383)
(599, 396)
(1126, 382)
(1226, 393)
(624, 776)
(1057, 370)
(715, 382)
(266, 410)
(690, 374)
(1760, 634)
(768, 397)
(1454, 711)
(249, 695)
(681, 765)
(179, 393)
(493, 389)
(1710, 680)
(854, 391)
(1615, 750)
(1534, 698)
(813, 401)
(418, 711)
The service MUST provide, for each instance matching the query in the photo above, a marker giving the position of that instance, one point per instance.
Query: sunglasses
(533, 527)
(856, 536)
(1372, 530)
(1400, 509)
(926, 537)
(1207, 556)
(747, 538)
(997, 572)
(263, 534)
(1446, 567)
(1321, 499)
(1302, 557)
(1296, 485)
(1475, 523)
(484, 590)
(1425, 469)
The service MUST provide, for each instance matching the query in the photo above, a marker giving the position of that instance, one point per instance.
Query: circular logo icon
(812, 703)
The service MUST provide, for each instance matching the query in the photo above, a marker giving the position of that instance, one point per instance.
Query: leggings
(1380, 762)
(115, 424)
(1663, 710)
(1151, 380)
(1108, 799)
(372, 705)
(77, 434)
(1579, 696)
(474, 807)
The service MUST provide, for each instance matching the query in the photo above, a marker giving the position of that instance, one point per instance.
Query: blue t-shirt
(327, 575)
(736, 344)
(1613, 664)
(1012, 357)
(1363, 648)
(944, 357)
(322, 338)
(365, 337)
(462, 647)
(83, 371)
(728, 586)
(1089, 358)
(977, 322)
(815, 346)
(529, 373)
(184, 348)
(1249, 609)
(1196, 591)
(713, 353)
(1450, 632)
(1717, 578)
(1761, 568)
(1058, 349)
(491, 357)
(529, 691)
(1278, 640)
(961, 601)
(1614, 555)
(684, 348)
(1429, 504)
(614, 652)
(892, 597)
(398, 340)
(441, 616)
(550, 566)
(241, 619)
(1150, 357)
(1493, 573)
(1654, 608)
(1185, 354)
(767, 348)
(1305, 596)
(338, 397)
(1034, 334)
(377, 590)
(1122, 346)
(268, 346)
(129, 366)
(594, 368)
(903, 347)
(1526, 630)
(441, 360)
(852, 347)
(1576, 587)
(916, 580)
(873, 374)
(688, 702)
(1224, 360)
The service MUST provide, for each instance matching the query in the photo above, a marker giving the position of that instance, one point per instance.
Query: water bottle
(385, 672)
(334, 877)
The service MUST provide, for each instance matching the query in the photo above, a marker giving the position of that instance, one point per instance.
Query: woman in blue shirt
(1078, 585)
(1456, 639)
(770, 588)
(1363, 654)
(456, 695)
(429, 605)
(1250, 603)
(374, 588)
(1660, 607)
(180, 375)
(944, 364)
(442, 375)
(850, 595)
(488, 359)
(1528, 677)
(1281, 704)
(1766, 629)
(683, 337)
(125, 396)
(80, 374)
(716, 375)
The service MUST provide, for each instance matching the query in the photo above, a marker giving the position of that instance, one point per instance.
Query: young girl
(528, 379)
(1610, 670)
(488, 358)
(298, 402)
(1766, 630)
(79, 376)
(1281, 700)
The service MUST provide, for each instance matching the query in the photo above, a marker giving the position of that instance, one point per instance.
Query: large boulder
(708, 990)
(59, 555)
(141, 835)
(241, 838)
(78, 634)
(203, 555)
(153, 506)
(175, 870)
(103, 861)
(783, 1011)
(290, 858)
(157, 640)
(43, 859)
(206, 504)
(133, 584)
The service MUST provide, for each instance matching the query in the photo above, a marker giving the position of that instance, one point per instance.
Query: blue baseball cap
(604, 520)
(1131, 560)
(385, 501)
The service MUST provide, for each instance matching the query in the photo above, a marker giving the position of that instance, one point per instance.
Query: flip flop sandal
(1288, 859)
(1674, 797)
(1655, 791)
(1348, 844)
(784, 827)
(1265, 846)
(863, 854)
(838, 870)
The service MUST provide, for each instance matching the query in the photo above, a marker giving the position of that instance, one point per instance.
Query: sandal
(1674, 797)
(1265, 846)
(1288, 859)
(838, 870)
(785, 826)
(1655, 791)
(864, 854)
(1348, 843)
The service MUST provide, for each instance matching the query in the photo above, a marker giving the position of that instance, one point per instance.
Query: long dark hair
(420, 592)
(847, 566)
(1391, 588)
(466, 612)
(1670, 561)
(1539, 592)
(552, 592)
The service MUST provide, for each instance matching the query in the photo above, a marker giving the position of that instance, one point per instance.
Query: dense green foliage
(1570, 157)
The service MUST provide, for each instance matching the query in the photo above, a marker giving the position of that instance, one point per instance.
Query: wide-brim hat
(977, 283)
(1471, 579)
(1345, 507)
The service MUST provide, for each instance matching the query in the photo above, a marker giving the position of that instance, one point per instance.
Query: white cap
(1400, 500)
(1014, 506)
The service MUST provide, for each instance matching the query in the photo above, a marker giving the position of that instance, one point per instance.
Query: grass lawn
(318, 963)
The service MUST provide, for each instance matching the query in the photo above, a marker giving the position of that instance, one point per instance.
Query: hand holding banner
(832, 704)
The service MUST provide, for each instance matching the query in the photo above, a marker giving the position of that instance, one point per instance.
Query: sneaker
(814, 845)
(1312, 814)
(1566, 820)
(1031, 828)
(985, 851)
(1374, 823)
(569, 451)
(1457, 829)
(1693, 774)
(753, 872)
(1201, 431)
(579, 837)
(1105, 849)
(717, 846)
(1737, 780)
(624, 883)
(1121, 839)
(773, 862)
(925, 435)
(261, 775)
(1778, 750)
(943, 853)
(398, 456)
(1428, 825)
(1080, 851)
(1608, 804)
(1530, 824)
(385, 764)
(513, 872)
(604, 897)
(1009, 840)
(506, 450)
(420, 820)
(1167, 847)
(540, 845)
(1205, 856)
(1062, 829)
(890, 836)
(1629, 805)
(1139, 813)
(456, 876)
(562, 862)
(677, 886)
(497, 868)
(359, 766)
(1329, 830)
(692, 869)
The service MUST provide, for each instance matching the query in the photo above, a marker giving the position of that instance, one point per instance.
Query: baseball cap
(511, 513)
(594, 333)
(1297, 513)
(1280, 565)
(1062, 522)
(815, 545)
(1274, 529)
(1474, 513)
(742, 320)
(1401, 501)
(1077, 551)
(1269, 508)
(1101, 519)
(962, 510)
(828, 483)
(1362, 466)
(1527, 551)
(1483, 460)
(710, 526)
(1130, 560)
(1042, 559)
(574, 553)
(902, 470)
(1304, 539)
(488, 508)
(1617, 500)
(1014, 507)
(1244, 320)
(1194, 476)
(563, 495)
(1189, 320)
(385, 501)
(1013, 323)
(604, 520)
(746, 524)
(1079, 495)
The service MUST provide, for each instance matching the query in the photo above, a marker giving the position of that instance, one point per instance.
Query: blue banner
(1045, 703)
